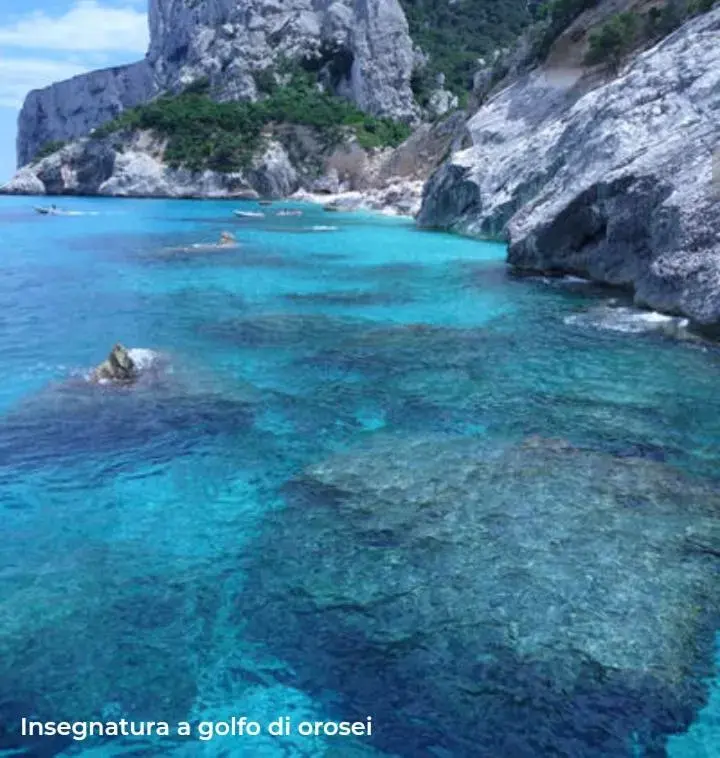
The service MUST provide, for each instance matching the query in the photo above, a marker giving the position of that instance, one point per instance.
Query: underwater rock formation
(531, 600)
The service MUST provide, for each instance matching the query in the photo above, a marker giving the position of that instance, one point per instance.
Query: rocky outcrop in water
(117, 368)
(614, 183)
(519, 598)
(362, 48)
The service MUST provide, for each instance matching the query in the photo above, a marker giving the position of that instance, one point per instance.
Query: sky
(44, 41)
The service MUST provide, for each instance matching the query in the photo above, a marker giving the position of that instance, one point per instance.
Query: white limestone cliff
(228, 41)
(70, 109)
(294, 159)
(614, 184)
(134, 166)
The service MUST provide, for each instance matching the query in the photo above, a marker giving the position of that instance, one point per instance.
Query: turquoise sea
(165, 556)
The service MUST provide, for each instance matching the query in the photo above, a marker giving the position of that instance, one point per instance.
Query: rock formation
(533, 599)
(133, 166)
(71, 109)
(117, 368)
(362, 46)
(387, 180)
(614, 183)
(295, 158)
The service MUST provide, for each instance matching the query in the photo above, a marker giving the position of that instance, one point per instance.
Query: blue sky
(43, 41)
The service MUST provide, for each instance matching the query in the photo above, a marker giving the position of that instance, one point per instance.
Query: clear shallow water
(133, 521)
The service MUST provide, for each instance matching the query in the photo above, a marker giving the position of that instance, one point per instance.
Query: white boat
(249, 214)
(53, 211)
(289, 213)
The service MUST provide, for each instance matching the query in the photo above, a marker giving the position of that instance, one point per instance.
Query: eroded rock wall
(71, 109)
(363, 47)
(613, 183)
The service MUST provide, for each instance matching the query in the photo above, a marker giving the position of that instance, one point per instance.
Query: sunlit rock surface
(365, 43)
(135, 167)
(614, 184)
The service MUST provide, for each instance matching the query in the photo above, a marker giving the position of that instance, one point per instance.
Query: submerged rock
(158, 420)
(278, 330)
(532, 600)
(633, 321)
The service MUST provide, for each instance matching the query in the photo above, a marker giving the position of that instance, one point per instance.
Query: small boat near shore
(53, 211)
(289, 213)
(249, 214)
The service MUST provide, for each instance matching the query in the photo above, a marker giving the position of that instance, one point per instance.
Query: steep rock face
(614, 183)
(70, 109)
(230, 39)
(362, 47)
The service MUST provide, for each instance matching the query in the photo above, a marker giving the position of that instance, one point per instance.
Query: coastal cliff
(133, 166)
(365, 45)
(71, 109)
(291, 159)
(361, 48)
(602, 171)
(611, 182)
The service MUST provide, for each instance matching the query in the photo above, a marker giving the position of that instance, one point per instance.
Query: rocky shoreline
(615, 179)
(617, 182)
(402, 199)
(349, 177)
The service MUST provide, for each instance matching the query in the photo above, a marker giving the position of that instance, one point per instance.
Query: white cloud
(89, 35)
(87, 26)
(20, 75)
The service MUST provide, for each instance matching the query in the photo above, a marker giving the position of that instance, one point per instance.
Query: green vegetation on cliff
(202, 133)
(614, 39)
(552, 18)
(49, 148)
(455, 34)
(624, 32)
